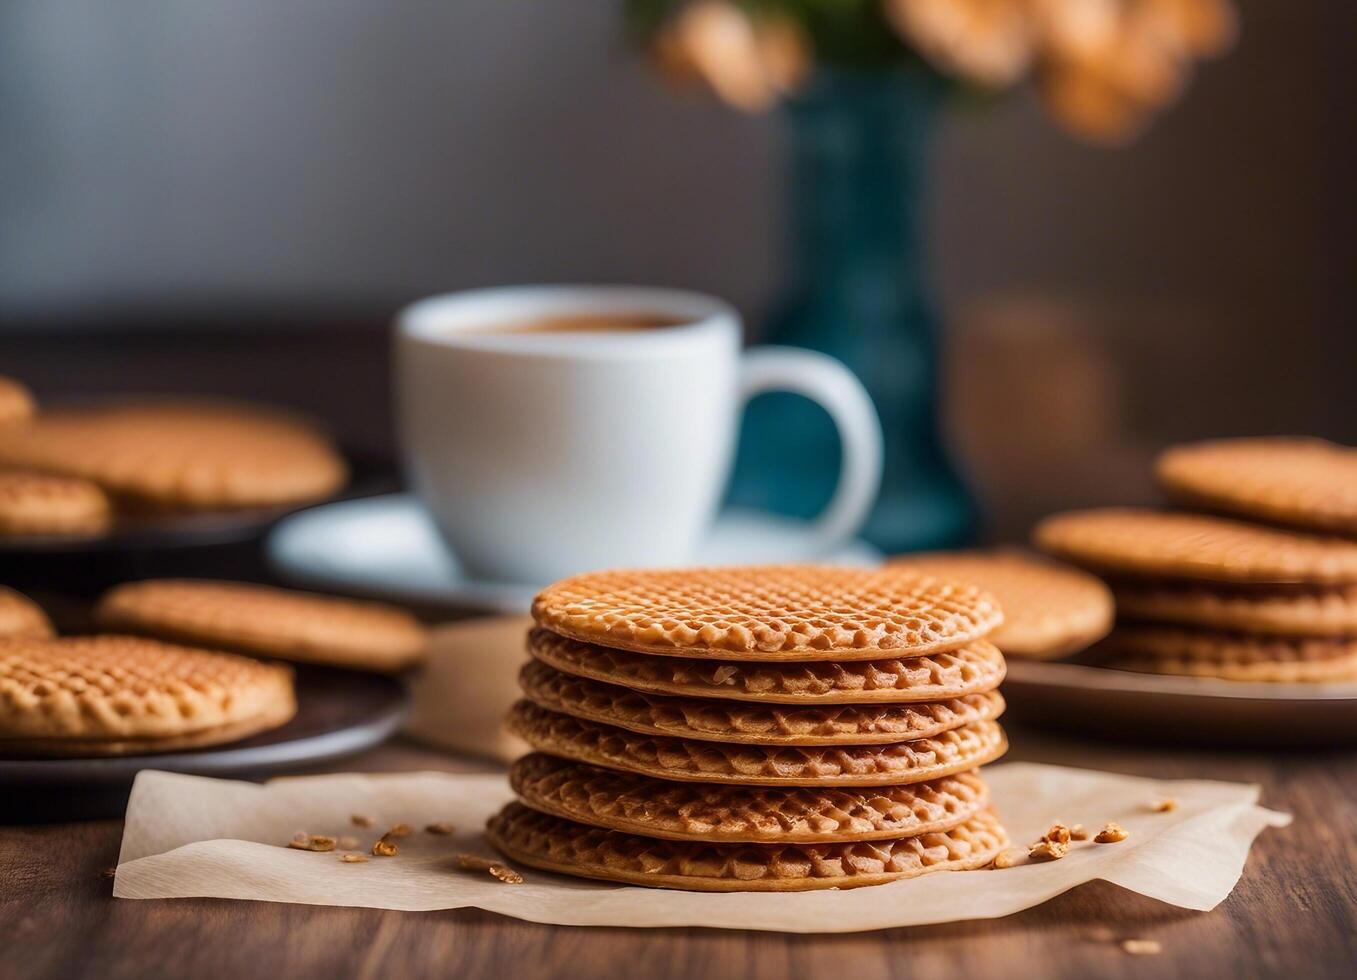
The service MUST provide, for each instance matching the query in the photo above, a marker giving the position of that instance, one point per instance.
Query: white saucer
(387, 547)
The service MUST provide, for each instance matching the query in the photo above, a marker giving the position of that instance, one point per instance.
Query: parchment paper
(188, 836)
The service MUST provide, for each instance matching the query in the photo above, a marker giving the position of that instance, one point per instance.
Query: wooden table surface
(1294, 913)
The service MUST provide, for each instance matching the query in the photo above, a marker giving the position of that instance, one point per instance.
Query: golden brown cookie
(38, 504)
(1303, 482)
(1050, 610)
(116, 695)
(1296, 611)
(553, 844)
(742, 814)
(190, 455)
(21, 617)
(972, 669)
(958, 750)
(1232, 656)
(744, 723)
(776, 612)
(1129, 541)
(16, 403)
(263, 620)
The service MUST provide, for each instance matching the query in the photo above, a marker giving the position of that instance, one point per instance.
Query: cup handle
(837, 390)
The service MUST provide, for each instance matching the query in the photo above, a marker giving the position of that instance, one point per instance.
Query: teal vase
(857, 290)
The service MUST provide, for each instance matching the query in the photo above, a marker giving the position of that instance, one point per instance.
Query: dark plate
(222, 544)
(339, 713)
(1151, 708)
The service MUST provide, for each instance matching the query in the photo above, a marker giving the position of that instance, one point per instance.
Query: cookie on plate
(1050, 610)
(180, 456)
(271, 622)
(1303, 482)
(1294, 611)
(119, 695)
(38, 504)
(554, 844)
(21, 617)
(772, 613)
(1230, 656)
(1148, 543)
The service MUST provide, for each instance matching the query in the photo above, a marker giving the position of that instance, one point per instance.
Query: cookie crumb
(473, 862)
(347, 843)
(1048, 850)
(312, 842)
(384, 848)
(1078, 832)
(1141, 947)
(1058, 834)
(1004, 859)
(1112, 833)
(398, 830)
(440, 828)
(358, 820)
(1166, 805)
(353, 858)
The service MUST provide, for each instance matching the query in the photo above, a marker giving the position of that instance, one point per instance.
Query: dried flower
(990, 42)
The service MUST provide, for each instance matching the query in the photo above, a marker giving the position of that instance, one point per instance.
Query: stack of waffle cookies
(756, 729)
(1257, 583)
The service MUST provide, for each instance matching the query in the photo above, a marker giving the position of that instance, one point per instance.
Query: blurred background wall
(233, 166)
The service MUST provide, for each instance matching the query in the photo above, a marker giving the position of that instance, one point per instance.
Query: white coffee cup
(543, 454)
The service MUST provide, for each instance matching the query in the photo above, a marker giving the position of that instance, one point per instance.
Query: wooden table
(1293, 914)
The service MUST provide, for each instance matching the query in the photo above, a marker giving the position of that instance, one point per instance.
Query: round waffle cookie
(36, 504)
(22, 617)
(117, 695)
(195, 456)
(782, 612)
(264, 620)
(553, 844)
(750, 724)
(1050, 610)
(689, 760)
(742, 814)
(1135, 542)
(16, 404)
(972, 669)
(1274, 612)
(1307, 483)
(1236, 656)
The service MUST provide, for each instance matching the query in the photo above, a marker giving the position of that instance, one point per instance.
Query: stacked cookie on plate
(189, 678)
(771, 729)
(1268, 593)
